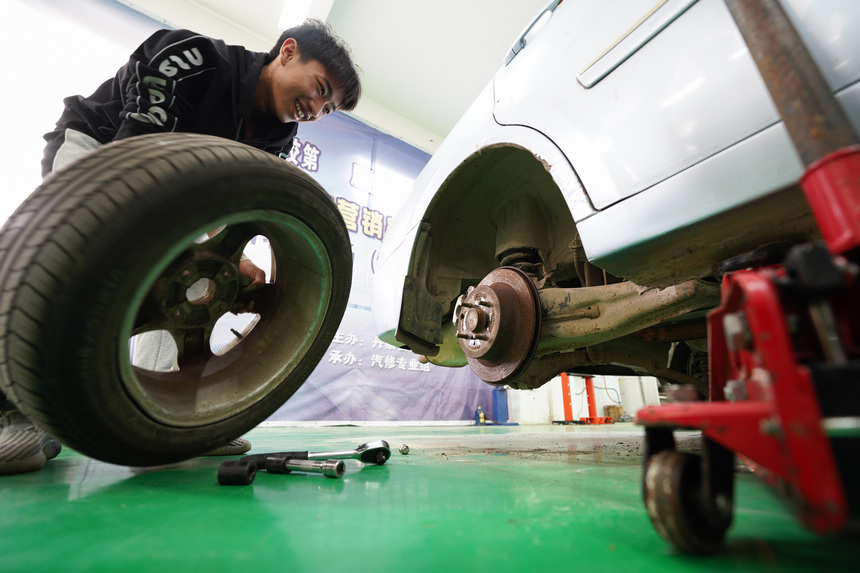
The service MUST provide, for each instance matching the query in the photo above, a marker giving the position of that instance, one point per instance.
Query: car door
(634, 92)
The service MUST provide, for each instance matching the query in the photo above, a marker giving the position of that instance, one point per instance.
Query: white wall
(52, 50)
(532, 406)
(638, 392)
(545, 405)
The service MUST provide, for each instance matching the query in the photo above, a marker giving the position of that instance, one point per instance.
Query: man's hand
(253, 272)
(258, 281)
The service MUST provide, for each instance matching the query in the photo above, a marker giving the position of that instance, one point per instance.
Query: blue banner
(369, 175)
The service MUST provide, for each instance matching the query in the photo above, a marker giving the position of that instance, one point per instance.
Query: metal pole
(816, 123)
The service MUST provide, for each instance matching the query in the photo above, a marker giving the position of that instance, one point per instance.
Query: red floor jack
(784, 344)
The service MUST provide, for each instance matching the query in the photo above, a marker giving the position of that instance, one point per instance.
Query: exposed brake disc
(498, 324)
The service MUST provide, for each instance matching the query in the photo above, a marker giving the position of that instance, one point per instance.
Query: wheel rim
(197, 282)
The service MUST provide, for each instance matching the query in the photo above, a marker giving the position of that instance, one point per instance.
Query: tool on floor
(244, 470)
(376, 452)
(404, 449)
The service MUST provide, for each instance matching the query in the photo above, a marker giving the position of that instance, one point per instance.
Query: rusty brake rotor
(498, 323)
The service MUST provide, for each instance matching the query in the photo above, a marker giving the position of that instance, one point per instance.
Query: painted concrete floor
(466, 498)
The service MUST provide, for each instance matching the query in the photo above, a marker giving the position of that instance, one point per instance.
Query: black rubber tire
(82, 257)
(672, 488)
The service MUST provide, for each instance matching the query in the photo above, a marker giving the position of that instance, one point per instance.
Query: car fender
(474, 135)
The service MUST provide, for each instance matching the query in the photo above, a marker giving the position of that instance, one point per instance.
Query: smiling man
(180, 81)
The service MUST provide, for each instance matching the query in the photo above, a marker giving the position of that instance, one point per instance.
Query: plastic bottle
(479, 417)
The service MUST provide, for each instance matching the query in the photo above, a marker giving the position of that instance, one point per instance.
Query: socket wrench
(280, 464)
(243, 471)
(376, 452)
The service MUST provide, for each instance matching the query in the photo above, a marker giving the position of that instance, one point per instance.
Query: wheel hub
(199, 292)
(498, 323)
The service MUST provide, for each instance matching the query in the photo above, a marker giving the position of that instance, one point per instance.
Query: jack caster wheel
(673, 495)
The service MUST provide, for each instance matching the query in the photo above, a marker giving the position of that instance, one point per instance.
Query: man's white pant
(153, 350)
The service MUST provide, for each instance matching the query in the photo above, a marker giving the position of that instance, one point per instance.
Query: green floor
(466, 498)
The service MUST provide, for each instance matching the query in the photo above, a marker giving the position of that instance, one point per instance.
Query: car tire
(99, 253)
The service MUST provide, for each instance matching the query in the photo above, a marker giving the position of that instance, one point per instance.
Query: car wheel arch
(501, 197)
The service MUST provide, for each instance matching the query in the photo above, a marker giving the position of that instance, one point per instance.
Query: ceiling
(422, 62)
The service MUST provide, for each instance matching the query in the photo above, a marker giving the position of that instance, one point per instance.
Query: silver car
(580, 215)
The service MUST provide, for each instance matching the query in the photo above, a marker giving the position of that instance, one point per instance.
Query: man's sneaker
(234, 448)
(23, 446)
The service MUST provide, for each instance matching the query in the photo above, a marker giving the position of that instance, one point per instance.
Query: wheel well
(497, 205)
(500, 198)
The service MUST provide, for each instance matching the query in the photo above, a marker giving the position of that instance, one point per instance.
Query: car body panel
(624, 140)
(829, 31)
(643, 122)
(669, 213)
(610, 41)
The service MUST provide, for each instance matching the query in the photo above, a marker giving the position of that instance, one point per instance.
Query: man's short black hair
(317, 41)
